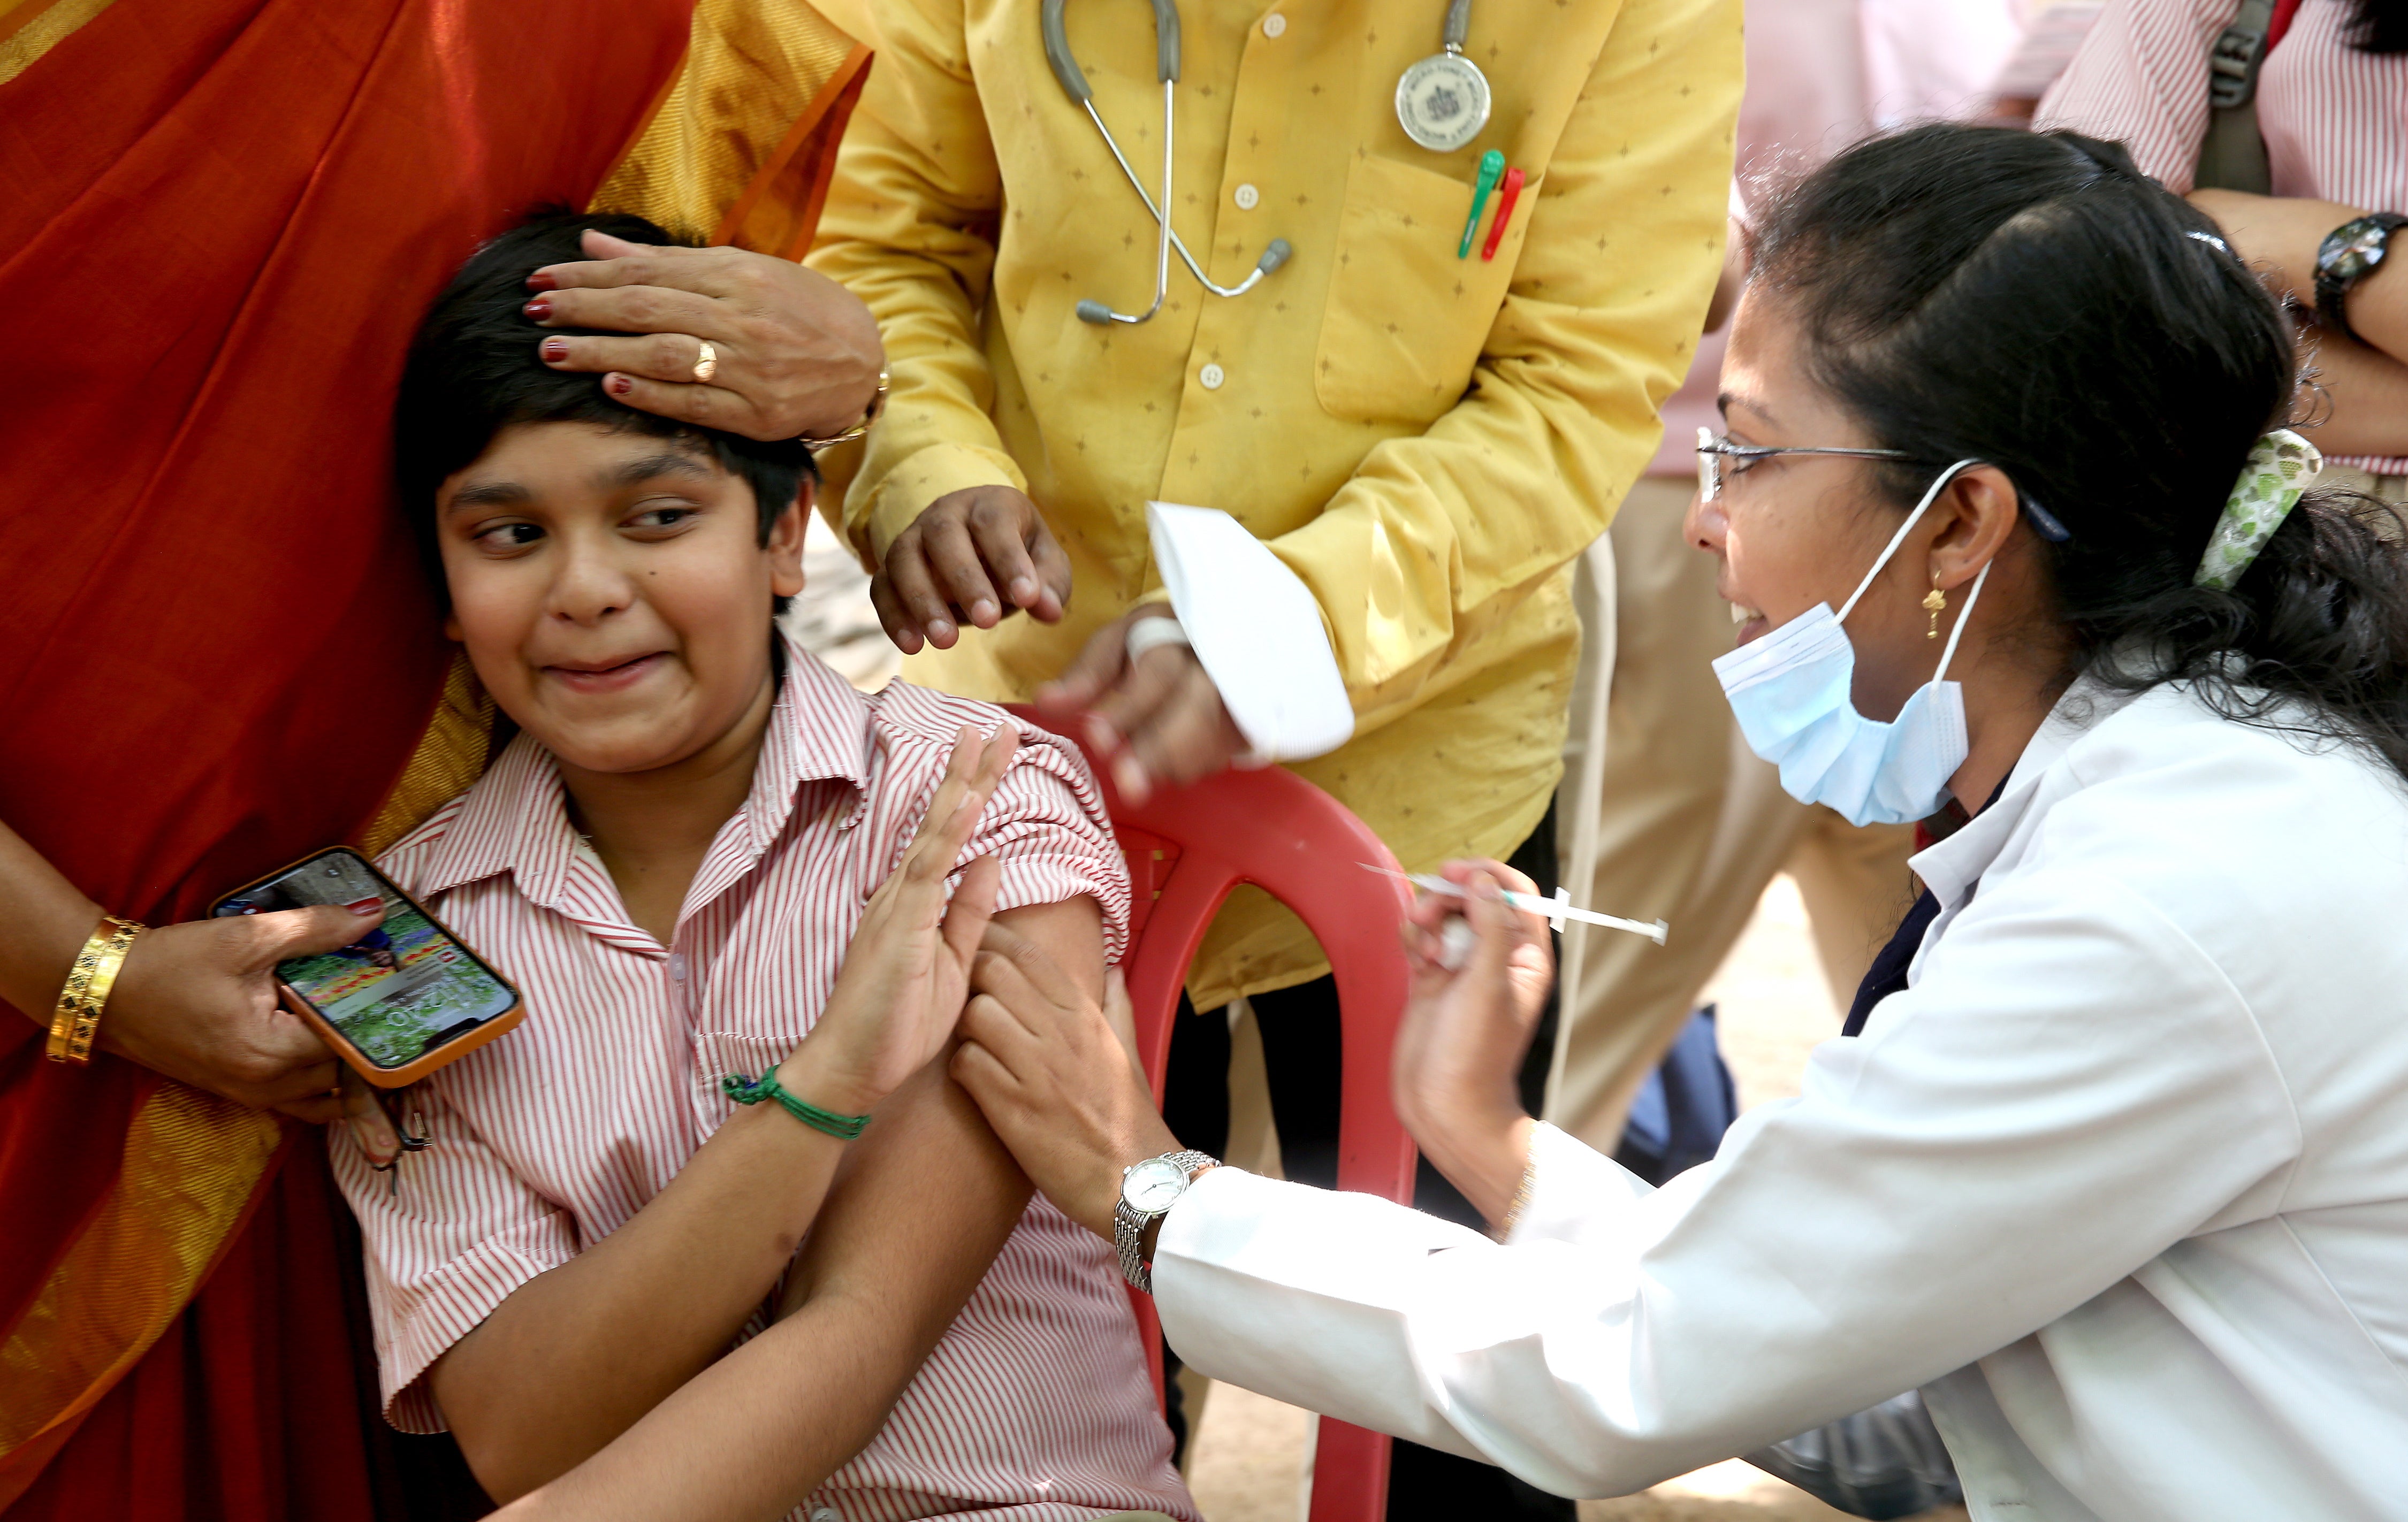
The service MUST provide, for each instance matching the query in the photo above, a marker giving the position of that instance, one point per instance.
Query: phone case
(357, 1061)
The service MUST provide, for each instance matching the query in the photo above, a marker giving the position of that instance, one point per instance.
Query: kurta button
(677, 965)
(1273, 24)
(1211, 377)
(1249, 198)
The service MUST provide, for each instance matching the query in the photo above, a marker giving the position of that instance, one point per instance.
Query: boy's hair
(474, 371)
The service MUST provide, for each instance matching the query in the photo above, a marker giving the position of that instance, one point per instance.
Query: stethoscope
(1442, 102)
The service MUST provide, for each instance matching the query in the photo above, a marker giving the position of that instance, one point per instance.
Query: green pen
(1492, 166)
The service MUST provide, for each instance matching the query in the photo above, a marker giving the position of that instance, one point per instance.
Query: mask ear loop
(1900, 537)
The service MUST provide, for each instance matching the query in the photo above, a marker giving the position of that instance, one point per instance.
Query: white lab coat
(2120, 1180)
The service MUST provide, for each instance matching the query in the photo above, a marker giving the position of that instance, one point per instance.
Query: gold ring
(707, 366)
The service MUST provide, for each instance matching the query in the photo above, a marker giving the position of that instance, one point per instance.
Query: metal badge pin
(1442, 101)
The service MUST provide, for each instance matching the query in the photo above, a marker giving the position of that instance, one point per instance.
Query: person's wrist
(811, 1074)
(1476, 1141)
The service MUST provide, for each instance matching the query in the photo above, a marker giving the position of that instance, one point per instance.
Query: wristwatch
(2349, 255)
(1148, 1189)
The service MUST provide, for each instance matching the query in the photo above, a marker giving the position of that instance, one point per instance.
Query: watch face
(1152, 1186)
(2355, 248)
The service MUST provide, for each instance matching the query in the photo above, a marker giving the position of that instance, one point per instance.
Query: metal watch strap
(1129, 1224)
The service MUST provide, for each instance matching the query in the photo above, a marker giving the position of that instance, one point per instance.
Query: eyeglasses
(1714, 449)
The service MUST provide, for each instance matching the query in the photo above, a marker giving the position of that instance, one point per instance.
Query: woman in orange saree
(219, 221)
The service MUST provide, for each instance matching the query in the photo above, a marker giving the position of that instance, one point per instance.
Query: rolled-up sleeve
(2140, 79)
(2070, 1089)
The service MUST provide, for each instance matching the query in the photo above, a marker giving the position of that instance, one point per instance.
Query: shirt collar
(1952, 866)
(515, 818)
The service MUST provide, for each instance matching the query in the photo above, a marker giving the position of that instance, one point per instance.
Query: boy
(679, 860)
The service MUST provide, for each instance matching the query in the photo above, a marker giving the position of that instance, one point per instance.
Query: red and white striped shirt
(1036, 1404)
(2335, 119)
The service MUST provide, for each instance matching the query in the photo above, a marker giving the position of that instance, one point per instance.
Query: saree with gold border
(220, 220)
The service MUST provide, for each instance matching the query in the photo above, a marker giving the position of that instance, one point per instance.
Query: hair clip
(2210, 239)
(2045, 522)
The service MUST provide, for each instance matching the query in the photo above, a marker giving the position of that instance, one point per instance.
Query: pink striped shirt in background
(2335, 119)
(1036, 1404)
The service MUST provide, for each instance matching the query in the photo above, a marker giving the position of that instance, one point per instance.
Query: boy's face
(612, 591)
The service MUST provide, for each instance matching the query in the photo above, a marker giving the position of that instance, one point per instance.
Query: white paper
(1256, 629)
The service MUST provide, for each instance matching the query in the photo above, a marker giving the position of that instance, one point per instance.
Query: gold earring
(1934, 602)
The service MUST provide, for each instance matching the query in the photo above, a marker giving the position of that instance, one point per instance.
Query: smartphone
(401, 1001)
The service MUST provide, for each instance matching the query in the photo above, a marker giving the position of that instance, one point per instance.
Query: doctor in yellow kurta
(1421, 440)
(1426, 441)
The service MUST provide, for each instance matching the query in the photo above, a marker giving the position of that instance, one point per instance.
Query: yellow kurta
(1427, 441)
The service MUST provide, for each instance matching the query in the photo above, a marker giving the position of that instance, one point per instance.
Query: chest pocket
(1406, 318)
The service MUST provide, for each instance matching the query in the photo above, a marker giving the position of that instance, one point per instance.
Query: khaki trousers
(1690, 828)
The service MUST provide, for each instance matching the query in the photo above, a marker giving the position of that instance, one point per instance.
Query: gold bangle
(76, 1020)
(868, 415)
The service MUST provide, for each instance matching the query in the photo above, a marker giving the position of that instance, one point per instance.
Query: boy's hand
(1057, 1077)
(797, 354)
(978, 556)
(907, 972)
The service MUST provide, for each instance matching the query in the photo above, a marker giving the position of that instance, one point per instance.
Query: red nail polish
(542, 280)
(619, 385)
(555, 348)
(539, 308)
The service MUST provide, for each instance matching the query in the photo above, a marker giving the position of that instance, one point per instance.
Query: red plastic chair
(1187, 847)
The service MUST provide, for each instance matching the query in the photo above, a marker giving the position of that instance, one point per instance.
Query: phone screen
(399, 990)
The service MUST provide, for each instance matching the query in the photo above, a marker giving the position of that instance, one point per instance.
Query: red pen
(1507, 194)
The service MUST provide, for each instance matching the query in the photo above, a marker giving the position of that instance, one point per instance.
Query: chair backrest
(1187, 847)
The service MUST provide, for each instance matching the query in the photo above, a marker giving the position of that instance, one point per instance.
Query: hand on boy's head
(614, 590)
(794, 354)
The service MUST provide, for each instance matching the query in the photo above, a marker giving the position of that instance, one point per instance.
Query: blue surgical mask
(1790, 690)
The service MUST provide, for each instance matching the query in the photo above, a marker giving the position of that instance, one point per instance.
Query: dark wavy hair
(2031, 300)
(474, 370)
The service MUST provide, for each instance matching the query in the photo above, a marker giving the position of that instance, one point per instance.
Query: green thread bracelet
(744, 1090)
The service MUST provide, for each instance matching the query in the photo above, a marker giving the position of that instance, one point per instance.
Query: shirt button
(824, 1513)
(677, 965)
(1273, 24)
(1249, 198)
(1211, 377)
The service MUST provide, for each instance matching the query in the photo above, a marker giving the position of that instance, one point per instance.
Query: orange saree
(219, 221)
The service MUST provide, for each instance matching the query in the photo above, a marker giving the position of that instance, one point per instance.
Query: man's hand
(798, 355)
(198, 1003)
(1465, 1030)
(907, 972)
(946, 568)
(1057, 1076)
(1157, 720)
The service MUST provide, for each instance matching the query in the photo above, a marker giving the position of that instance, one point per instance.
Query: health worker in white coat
(2115, 1168)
